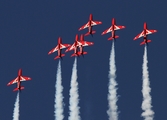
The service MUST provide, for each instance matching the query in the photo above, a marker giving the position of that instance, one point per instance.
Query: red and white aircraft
(74, 47)
(89, 25)
(144, 34)
(18, 80)
(80, 45)
(83, 43)
(112, 29)
(58, 48)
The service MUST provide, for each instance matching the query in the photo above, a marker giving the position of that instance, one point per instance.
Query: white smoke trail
(74, 100)
(58, 95)
(112, 95)
(16, 108)
(148, 113)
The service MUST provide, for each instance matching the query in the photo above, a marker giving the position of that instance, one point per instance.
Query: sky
(30, 29)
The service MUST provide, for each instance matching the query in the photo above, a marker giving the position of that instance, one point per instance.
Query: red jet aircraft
(144, 34)
(84, 43)
(112, 29)
(80, 44)
(58, 48)
(89, 25)
(18, 80)
(74, 47)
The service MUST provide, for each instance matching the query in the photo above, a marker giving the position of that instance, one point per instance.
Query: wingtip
(68, 45)
(135, 38)
(49, 52)
(8, 84)
(55, 58)
(86, 34)
(79, 29)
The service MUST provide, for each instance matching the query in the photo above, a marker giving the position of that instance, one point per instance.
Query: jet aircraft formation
(81, 43)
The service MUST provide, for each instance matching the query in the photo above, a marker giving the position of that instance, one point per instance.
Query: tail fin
(88, 33)
(111, 38)
(16, 89)
(62, 55)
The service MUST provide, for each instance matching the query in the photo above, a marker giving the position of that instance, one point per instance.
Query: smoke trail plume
(16, 108)
(58, 95)
(112, 95)
(74, 100)
(148, 113)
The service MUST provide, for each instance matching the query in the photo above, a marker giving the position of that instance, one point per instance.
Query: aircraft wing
(24, 78)
(147, 33)
(110, 29)
(13, 81)
(116, 27)
(73, 46)
(84, 26)
(139, 35)
(150, 31)
(107, 31)
(85, 43)
(62, 46)
(92, 24)
(95, 23)
(53, 50)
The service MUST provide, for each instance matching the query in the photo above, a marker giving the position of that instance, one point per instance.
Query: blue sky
(29, 29)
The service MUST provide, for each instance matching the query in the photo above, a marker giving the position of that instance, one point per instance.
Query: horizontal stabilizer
(62, 55)
(148, 41)
(74, 54)
(111, 38)
(84, 53)
(142, 43)
(16, 89)
(88, 33)
(59, 56)
(116, 36)
(56, 57)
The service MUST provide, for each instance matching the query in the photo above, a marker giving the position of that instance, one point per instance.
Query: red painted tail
(148, 41)
(75, 54)
(83, 53)
(79, 53)
(88, 33)
(111, 38)
(16, 89)
(142, 43)
(62, 55)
